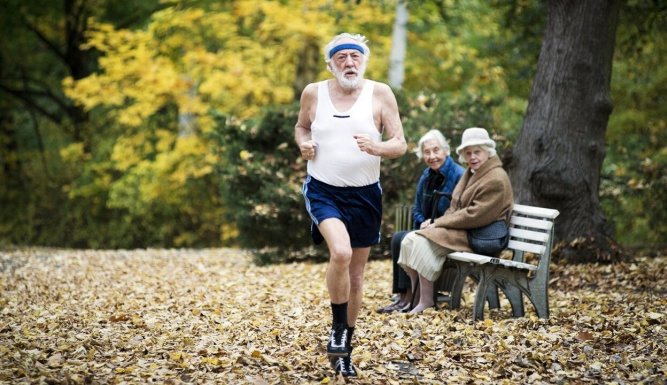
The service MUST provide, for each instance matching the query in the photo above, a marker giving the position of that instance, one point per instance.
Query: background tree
(37, 119)
(558, 156)
(634, 186)
(216, 66)
(398, 46)
(187, 106)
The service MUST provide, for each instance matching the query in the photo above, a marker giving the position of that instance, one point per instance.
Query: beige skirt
(422, 255)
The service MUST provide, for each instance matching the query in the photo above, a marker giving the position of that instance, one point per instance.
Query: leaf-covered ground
(211, 316)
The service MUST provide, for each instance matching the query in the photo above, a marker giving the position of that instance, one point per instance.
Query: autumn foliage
(212, 316)
(167, 123)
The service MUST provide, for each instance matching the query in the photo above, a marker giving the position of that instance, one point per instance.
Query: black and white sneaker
(344, 366)
(338, 343)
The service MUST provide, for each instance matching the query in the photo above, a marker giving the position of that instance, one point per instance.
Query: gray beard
(350, 84)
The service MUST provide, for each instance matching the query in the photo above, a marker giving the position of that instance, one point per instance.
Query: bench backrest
(403, 219)
(531, 231)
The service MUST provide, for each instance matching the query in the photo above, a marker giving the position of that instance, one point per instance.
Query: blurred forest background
(167, 123)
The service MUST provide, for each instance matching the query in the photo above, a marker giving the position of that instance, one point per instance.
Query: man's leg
(345, 276)
(344, 365)
(338, 283)
(340, 257)
(357, 266)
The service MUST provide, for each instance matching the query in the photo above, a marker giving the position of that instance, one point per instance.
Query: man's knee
(340, 255)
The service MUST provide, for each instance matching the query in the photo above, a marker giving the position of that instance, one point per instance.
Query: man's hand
(365, 143)
(308, 149)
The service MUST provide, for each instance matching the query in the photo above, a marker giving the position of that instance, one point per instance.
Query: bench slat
(481, 260)
(535, 211)
(528, 234)
(530, 222)
(515, 264)
(525, 246)
(469, 257)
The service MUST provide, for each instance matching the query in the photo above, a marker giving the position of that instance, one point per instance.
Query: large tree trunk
(558, 155)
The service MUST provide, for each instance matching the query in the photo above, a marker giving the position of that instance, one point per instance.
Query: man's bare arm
(302, 133)
(390, 121)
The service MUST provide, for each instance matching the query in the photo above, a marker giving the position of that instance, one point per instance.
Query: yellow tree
(235, 59)
(161, 86)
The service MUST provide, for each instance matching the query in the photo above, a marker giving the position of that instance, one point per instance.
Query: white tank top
(338, 160)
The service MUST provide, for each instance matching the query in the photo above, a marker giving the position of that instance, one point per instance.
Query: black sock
(350, 331)
(339, 311)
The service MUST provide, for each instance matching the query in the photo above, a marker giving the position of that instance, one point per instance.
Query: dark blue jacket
(452, 172)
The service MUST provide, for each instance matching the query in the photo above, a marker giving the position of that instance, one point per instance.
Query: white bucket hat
(475, 136)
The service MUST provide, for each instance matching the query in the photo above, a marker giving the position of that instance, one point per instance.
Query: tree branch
(44, 91)
(73, 29)
(24, 96)
(44, 39)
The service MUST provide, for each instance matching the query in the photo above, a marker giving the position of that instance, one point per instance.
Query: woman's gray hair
(432, 135)
(359, 39)
(490, 150)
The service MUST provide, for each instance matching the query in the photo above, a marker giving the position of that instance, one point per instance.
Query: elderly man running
(340, 130)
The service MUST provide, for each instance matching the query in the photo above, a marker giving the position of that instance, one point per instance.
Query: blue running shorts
(359, 208)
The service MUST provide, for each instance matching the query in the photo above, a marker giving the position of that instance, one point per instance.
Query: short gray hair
(433, 135)
(359, 39)
(490, 150)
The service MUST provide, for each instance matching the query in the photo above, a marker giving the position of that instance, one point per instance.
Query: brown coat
(478, 199)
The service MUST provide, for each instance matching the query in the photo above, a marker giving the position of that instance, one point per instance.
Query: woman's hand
(426, 224)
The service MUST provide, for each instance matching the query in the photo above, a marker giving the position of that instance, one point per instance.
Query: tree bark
(557, 159)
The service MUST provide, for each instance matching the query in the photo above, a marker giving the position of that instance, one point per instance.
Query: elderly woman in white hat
(483, 195)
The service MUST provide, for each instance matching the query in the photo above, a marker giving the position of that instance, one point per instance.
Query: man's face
(348, 66)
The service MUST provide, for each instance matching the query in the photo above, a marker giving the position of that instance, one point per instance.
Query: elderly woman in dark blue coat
(442, 174)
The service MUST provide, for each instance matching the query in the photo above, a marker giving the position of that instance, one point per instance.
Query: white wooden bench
(531, 231)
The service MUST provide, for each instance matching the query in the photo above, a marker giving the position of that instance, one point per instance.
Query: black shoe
(395, 306)
(338, 342)
(344, 366)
